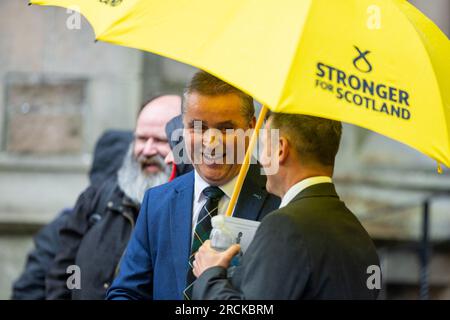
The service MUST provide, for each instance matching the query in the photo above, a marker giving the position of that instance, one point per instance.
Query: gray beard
(134, 182)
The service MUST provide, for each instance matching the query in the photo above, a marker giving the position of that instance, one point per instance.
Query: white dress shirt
(200, 198)
(302, 185)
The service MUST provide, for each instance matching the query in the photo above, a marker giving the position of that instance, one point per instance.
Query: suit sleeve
(134, 281)
(70, 237)
(266, 269)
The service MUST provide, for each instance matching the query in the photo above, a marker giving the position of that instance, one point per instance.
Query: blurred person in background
(93, 239)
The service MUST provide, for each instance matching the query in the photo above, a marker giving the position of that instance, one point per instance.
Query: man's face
(150, 143)
(218, 113)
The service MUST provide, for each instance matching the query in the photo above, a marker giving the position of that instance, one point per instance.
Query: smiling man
(175, 218)
(211, 121)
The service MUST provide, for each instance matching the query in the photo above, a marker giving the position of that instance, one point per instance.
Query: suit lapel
(252, 196)
(181, 229)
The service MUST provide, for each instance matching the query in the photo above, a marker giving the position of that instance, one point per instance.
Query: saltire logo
(360, 62)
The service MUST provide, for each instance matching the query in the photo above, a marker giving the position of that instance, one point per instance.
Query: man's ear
(283, 151)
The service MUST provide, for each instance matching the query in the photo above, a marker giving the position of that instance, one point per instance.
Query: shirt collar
(200, 185)
(302, 185)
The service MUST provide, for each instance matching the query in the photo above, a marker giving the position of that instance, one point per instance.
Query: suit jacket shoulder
(317, 213)
(161, 195)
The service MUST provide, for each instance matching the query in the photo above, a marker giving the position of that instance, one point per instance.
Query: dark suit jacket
(155, 264)
(314, 248)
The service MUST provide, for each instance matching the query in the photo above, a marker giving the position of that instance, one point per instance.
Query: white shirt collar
(200, 185)
(302, 185)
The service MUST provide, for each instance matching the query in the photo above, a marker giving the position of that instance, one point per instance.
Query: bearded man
(175, 218)
(94, 238)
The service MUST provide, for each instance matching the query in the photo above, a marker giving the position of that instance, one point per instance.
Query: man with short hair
(96, 234)
(175, 218)
(312, 247)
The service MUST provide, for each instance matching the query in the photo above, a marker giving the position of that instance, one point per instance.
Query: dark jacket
(94, 241)
(314, 248)
(109, 152)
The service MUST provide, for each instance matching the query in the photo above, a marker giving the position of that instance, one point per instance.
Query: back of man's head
(315, 140)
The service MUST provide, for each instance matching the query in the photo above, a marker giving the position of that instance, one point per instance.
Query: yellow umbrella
(378, 64)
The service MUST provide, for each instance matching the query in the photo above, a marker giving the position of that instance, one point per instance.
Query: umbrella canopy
(378, 64)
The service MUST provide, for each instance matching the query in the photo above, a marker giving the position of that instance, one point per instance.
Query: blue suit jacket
(155, 263)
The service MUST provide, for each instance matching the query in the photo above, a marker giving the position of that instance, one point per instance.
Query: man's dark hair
(206, 84)
(314, 139)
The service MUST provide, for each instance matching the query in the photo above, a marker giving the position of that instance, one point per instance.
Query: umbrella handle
(246, 162)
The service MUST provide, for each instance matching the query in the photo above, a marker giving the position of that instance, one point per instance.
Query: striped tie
(202, 231)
